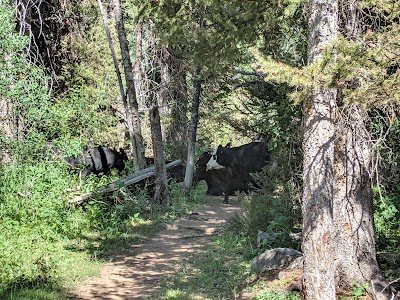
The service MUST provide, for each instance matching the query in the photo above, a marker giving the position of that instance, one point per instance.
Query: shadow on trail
(140, 271)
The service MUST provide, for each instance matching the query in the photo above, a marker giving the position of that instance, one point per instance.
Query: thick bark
(132, 104)
(161, 194)
(353, 212)
(194, 120)
(353, 215)
(318, 181)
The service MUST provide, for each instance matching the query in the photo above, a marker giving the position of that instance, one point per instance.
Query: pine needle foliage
(212, 34)
(365, 69)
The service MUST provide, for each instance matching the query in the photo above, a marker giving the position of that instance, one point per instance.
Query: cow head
(212, 164)
(200, 173)
(123, 154)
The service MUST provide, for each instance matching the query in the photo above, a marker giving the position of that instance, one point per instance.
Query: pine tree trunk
(353, 215)
(161, 193)
(132, 104)
(194, 120)
(353, 206)
(318, 147)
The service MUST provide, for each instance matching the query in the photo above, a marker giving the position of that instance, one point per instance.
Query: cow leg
(226, 197)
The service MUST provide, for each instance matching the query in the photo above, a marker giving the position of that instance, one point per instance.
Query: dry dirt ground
(138, 272)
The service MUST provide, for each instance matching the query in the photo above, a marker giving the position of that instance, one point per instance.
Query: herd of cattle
(225, 170)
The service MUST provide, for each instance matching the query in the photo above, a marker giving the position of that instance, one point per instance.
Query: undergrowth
(47, 245)
(222, 269)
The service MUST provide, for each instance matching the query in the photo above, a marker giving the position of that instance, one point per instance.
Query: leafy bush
(386, 191)
(27, 256)
(36, 222)
(387, 221)
(272, 209)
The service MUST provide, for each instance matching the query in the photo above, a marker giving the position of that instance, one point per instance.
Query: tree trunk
(194, 120)
(7, 128)
(137, 67)
(127, 124)
(318, 147)
(353, 215)
(173, 101)
(353, 206)
(132, 104)
(161, 194)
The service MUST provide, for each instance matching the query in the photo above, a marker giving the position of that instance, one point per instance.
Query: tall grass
(35, 222)
(45, 243)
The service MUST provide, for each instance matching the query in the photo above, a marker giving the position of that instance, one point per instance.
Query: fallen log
(125, 181)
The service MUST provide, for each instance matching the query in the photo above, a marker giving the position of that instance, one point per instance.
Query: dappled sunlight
(140, 271)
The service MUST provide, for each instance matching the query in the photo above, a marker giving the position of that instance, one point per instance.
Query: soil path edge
(138, 272)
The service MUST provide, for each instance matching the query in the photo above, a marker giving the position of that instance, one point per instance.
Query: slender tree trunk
(173, 100)
(161, 194)
(132, 103)
(318, 181)
(137, 67)
(194, 120)
(127, 119)
(7, 128)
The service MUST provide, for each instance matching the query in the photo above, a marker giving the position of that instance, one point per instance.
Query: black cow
(233, 166)
(177, 173)
(251, 157)
(101, 160)
(214, 186)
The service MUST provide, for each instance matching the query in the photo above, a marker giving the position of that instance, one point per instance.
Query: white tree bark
(194, 120)
(132, 105)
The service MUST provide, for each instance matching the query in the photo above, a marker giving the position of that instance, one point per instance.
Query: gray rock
(274, 259)
(296, 264)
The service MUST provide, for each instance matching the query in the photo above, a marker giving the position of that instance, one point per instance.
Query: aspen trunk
(132, 104)
(120, 85)
(194, 120)
(137, 67)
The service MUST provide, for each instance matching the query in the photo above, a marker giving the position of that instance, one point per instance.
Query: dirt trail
(138, 272)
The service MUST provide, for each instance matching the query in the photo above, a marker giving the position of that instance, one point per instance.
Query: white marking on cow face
(212, 163)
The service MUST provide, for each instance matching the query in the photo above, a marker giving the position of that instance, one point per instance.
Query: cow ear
(219, 149)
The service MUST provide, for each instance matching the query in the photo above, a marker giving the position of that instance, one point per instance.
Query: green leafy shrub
(272, 209)
(387, 221)
(271, 295)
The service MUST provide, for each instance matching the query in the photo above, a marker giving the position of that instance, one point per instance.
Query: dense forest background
(243, 63)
